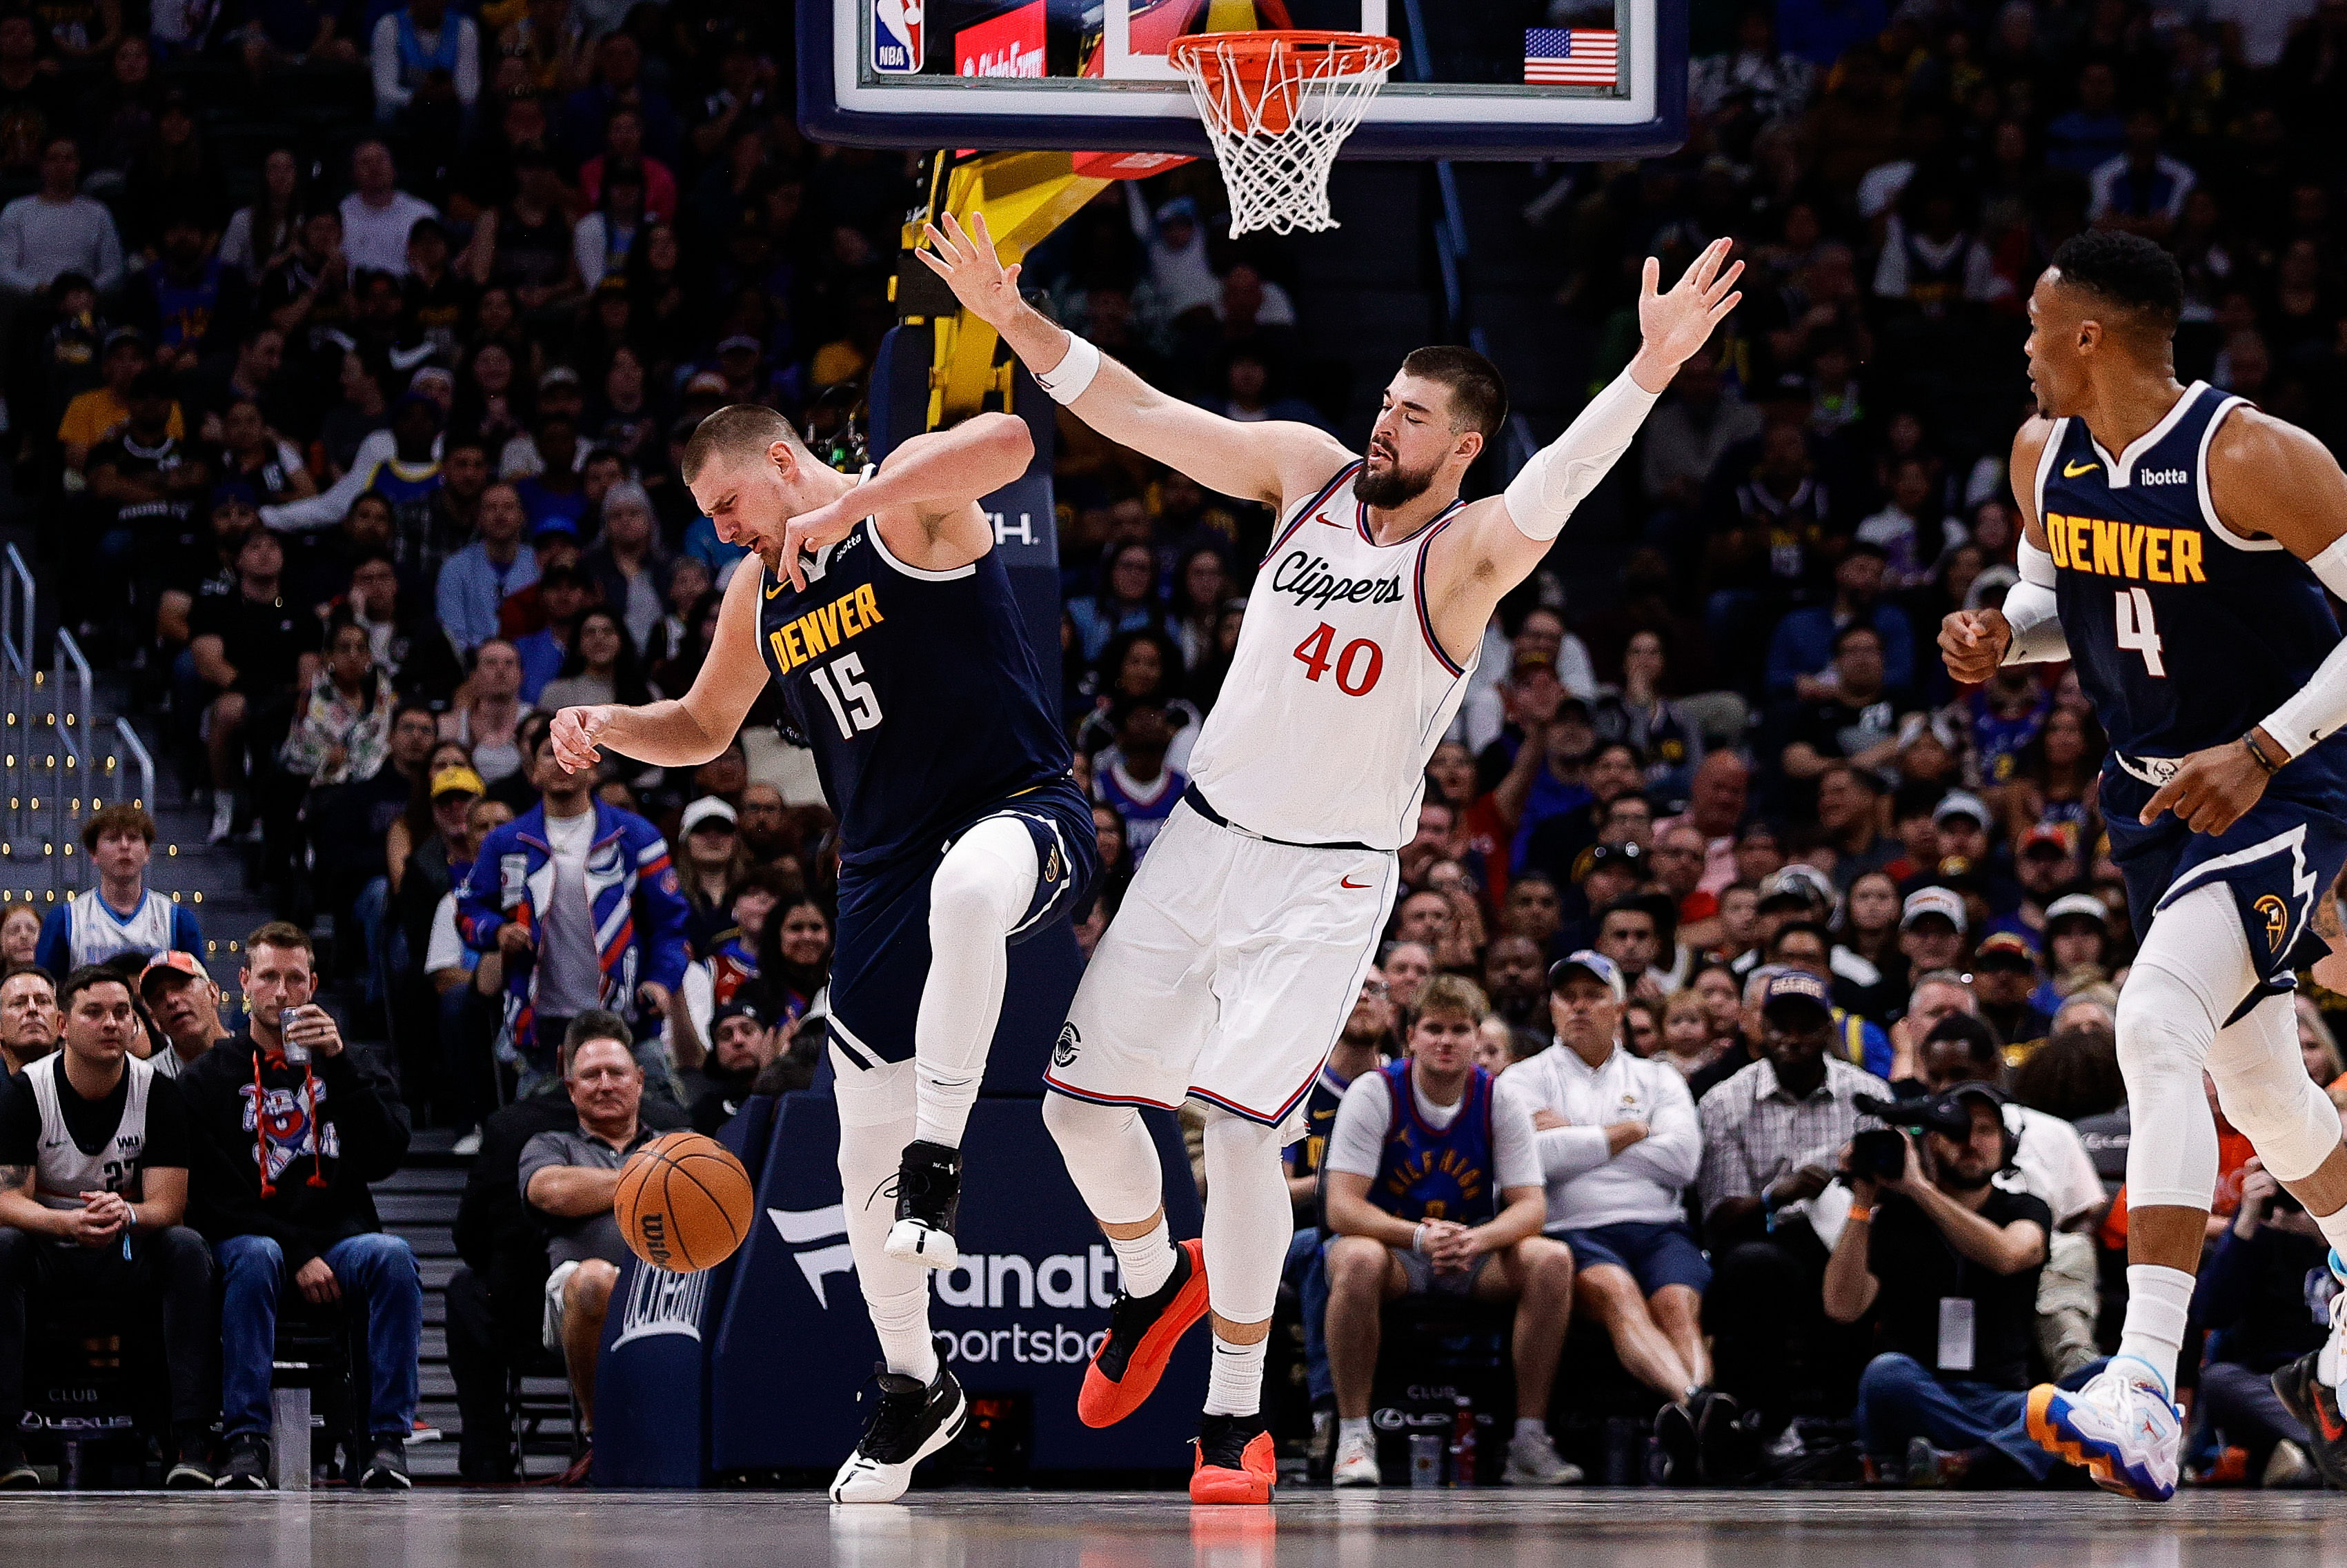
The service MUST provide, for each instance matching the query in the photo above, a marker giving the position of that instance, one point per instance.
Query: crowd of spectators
(351, 351)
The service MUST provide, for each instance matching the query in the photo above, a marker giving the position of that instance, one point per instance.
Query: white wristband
(2319, 707)
(1417, 1239)
(1067, 380)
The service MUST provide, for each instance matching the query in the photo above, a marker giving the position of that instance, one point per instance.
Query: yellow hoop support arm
(1024, 196)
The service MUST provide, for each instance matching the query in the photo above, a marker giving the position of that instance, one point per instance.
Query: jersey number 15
(853, 702)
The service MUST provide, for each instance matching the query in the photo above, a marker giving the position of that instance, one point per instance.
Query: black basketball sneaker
(910, 1421)
(2316, 1406)
(928, 1195)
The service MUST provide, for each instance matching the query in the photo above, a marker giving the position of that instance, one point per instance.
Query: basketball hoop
(1277, 106)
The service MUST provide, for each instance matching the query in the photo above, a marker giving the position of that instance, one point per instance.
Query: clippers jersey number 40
(1356, 668)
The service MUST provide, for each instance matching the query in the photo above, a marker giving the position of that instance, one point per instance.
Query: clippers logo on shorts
(1426, 1173)
(662, 1303)
(821, 629)
(285, 1125)
(897, 27)
(1070, 1042)
(2277, 919)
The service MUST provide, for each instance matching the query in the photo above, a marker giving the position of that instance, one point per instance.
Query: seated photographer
(2257, 1296)
(1770, 1134)
(1434, 1187)
(1619, 1145)
(94, 1159)
(2052, 1162)
(1947, 1261)
(568, 1176)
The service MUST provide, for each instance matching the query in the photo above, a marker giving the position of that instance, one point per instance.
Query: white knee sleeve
(1249, 1220)
(876, 1122)
(978, 894)
(2193, 967)
(1110, 1156)
(2262, 1084)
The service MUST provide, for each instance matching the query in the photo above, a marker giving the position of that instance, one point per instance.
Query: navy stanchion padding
(1021, 1317)
(651, 1380)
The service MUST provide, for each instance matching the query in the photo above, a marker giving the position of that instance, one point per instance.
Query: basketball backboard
(1507, 79)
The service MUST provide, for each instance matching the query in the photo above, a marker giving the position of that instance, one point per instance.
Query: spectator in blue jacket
(1803, 645)
(582, 899)
(478, 579)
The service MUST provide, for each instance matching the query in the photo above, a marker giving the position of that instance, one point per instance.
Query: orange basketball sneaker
(1235, 1463)
(1142, 1333)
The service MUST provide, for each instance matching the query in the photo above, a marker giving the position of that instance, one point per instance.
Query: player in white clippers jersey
(1240, 947)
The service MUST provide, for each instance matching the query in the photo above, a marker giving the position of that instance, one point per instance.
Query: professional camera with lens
(1879, 1153)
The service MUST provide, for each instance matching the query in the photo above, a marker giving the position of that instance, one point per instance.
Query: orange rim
(1348, 52)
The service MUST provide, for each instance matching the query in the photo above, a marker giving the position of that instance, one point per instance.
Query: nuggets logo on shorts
(2277, 918)
(1064, 1051)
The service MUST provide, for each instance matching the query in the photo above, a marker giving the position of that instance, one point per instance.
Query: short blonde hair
(1454, 995)
(738, 430)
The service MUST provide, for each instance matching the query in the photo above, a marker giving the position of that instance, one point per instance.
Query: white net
(1278, 107)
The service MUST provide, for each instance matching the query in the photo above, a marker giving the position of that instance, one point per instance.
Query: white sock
(902, 1322)
(2159, 1301)
(1530, 1427)
(977, 895)
(1234, 1385)
(1351, 1427)
(2334, 1231)
(1147, 1259)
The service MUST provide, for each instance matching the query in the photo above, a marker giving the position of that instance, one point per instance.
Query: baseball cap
(177, 961)
(1944, 902)
(2045, 838)
(1797, 991)
(739, 342)
(1526, 662)
(705, 808)
(1951, 1115)
(557, 376)
(1596, 966)
(740, 1007)
(554, 523)
(707, 381)
(435, 374)
(122, 336)
(2004, 949)
(456, 780)
(1806, 882)
(2084, 905)
(1960, 803)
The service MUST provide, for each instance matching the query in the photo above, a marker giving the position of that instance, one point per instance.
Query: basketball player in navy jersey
(1241, 942)
(887, 618)
(2177, 545)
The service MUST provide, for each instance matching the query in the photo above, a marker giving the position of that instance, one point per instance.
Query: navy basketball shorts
(881, 959)
(2282, 856)
(1652, 1255)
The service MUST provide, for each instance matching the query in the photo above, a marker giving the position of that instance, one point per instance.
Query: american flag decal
(1570, 57)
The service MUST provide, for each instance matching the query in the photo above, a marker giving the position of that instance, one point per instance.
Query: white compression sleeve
(1541, 496)
(2030, 610)
(2320, 706)
(979, 893)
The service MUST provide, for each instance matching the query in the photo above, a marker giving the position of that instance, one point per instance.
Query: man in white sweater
(59, 229)
(1619, 1145)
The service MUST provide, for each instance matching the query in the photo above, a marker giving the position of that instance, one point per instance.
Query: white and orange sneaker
(2121, 1427)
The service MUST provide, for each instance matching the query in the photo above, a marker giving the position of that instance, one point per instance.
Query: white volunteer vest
(1337, 691)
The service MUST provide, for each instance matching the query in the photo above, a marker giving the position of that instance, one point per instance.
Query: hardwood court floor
(437, 1528)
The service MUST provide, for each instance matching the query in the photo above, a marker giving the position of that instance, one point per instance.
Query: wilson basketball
(685, 1203)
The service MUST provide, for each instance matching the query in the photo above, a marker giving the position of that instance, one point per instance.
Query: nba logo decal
(896, 29)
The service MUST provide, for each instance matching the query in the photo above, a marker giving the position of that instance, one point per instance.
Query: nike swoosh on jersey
(1348, 881)
(2072, 470)
(774, 589)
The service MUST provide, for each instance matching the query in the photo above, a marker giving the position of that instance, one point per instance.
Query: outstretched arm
(922, 497)
(1496, 543)
(1258, 462)
(682, 731)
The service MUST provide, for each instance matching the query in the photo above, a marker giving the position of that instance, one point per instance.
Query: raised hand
(1676, 323)
(810, 531)
(965, 259)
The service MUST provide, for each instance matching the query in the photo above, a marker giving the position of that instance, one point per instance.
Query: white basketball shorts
(1227, 975)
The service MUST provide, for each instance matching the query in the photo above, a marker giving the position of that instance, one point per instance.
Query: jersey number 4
(847, 694)
(1358, 667)
(2137, 632)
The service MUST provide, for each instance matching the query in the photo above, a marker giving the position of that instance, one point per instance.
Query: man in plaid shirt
(1772, 1139)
